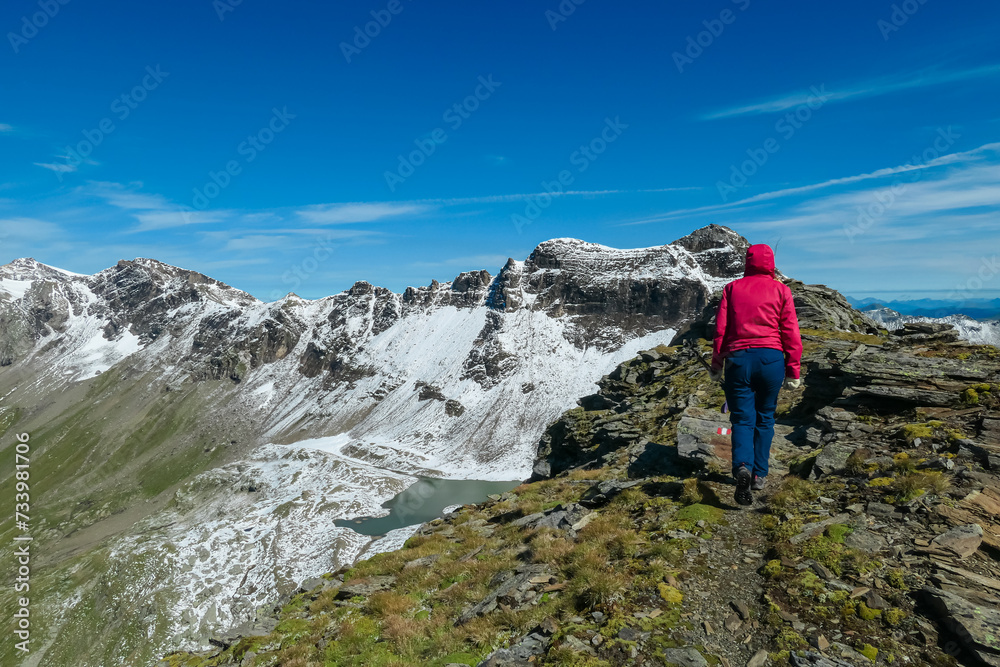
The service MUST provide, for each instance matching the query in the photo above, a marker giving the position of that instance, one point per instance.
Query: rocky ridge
(874, 542)
(982, 332)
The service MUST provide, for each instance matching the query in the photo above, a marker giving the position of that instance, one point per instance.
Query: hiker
(757, 341)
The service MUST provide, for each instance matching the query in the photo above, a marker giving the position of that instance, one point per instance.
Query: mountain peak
(711, 237)
(26, 268)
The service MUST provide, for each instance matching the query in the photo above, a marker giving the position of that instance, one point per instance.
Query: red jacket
(757, 311)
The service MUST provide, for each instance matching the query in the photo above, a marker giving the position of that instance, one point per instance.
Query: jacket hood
(760, 260)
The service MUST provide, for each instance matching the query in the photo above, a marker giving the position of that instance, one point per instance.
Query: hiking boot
(743, 481)
(758, 483)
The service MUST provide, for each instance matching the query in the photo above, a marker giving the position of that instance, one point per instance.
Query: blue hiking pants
(753, 379)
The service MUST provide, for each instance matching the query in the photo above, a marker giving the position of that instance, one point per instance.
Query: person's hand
(793, 383)
(715, 375)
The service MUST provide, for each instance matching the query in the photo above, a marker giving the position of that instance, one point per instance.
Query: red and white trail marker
(723, 430)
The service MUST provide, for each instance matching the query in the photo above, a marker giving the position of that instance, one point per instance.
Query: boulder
(684, 657)
(698, 437)
(562, 517)
(865, 540)
(975, 626)
(522, 654)
(507, 584)
(812, 659)
(365, 587)
(963, 541)
(831, 460)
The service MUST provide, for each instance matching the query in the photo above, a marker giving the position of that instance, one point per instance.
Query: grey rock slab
(519, 655)
(832, 459)
(741, 608)
(684, 657)
(508, 583)
(759, 659)
(814, 529)
(963, 541)
(562, 517)
(865, 540)
(976, 626)
(365, 587)
(578, 645)
(874, 601)
(311, 583)
(880, 509)
(632, 635)
(602, 492)
(422, 562)
(812, 659)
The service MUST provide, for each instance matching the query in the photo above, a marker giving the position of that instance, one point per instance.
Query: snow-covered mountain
(971, 330)
(193, 445)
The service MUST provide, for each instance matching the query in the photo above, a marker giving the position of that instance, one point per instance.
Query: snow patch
(15, 288)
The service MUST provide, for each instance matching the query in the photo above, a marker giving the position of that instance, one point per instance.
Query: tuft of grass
(903, 463)
(390, 603)
(550, 546)
(856, 462)
(691, 493)
(793, 491)
(915, 484)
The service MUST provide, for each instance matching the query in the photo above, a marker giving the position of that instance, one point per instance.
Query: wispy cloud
(498, 199)
(868, 88)
(152, 212)
(177, 217)
(950, 158)
(285, 239)
(340, 214)
(4, 127)
(56, 167)
(345, 213)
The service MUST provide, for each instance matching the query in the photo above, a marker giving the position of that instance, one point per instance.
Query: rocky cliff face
(875, 540)
(140, 380)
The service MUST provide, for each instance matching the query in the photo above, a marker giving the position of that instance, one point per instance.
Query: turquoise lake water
(425, 500)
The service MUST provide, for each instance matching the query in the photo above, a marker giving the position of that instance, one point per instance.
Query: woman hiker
(757, 338)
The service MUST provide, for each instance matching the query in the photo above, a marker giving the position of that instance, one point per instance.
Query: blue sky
(278, 148)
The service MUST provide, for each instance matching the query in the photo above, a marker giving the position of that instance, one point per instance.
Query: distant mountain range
(977, 309)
